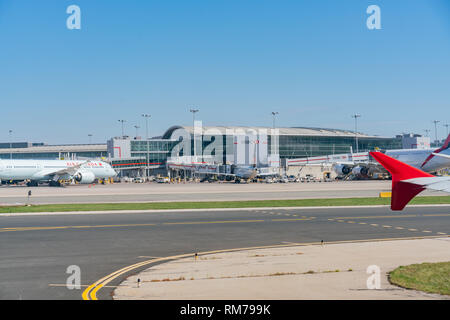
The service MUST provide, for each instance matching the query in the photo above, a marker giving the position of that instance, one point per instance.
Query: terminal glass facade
(158, 150)
(297, 146)
(311, 146)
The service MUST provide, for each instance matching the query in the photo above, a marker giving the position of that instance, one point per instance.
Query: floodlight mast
(274, 113)
(10, 144)
(356, 116)
(146, 116)
(122, 122)
(435, 130)
(194, 111)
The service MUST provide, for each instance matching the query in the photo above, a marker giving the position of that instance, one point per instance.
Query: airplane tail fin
(437, 151)
(446, 144)
(402, 192)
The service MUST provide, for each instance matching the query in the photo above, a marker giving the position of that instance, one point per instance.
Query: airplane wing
(67, 171)
(407, 181)
(435, 183)
(441, 155)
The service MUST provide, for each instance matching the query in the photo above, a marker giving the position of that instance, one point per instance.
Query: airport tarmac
(149, 192)
(36, 250)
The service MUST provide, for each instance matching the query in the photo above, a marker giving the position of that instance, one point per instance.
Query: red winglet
(402, 192)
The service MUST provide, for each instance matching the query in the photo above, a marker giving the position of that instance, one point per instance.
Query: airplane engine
(360, 171)
(84, 177)
(342, 169)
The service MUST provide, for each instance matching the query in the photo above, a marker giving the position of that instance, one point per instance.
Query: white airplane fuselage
(417, 158)
(43, 170)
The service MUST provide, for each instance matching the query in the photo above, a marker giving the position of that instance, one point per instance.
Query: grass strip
(427, 277)
(216, 204)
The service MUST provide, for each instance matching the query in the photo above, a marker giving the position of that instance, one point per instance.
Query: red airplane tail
(444, 147)
(402, 192)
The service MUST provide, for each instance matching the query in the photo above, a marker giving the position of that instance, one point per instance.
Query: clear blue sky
(315, 62)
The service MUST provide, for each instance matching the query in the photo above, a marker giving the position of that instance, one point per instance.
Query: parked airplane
(408, 181)
(52, 171)
(243, 173)
(428, 160)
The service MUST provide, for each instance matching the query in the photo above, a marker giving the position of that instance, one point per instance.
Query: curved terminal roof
(294, 131)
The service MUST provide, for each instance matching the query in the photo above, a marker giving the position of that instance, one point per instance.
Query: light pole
(10, 144)
(146, 116)
(122, 121)
(427, 131)
(274, 113)
(435, 130)
(90, 138)
(194, 111)
(446, 125)
(137, 130)
(356, 116)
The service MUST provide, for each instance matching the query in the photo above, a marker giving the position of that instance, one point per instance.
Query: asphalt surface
(148, 192)
(36, 250)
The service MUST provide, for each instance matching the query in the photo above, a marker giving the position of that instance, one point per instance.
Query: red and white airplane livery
(408, 181)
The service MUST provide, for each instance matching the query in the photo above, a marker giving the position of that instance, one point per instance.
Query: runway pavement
(133, 192)
(37, 250)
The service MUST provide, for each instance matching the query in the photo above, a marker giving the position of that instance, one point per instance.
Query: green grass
(427, 277)
(216, 204)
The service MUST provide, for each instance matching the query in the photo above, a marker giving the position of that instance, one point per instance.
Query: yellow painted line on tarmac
(91, 292)
(387, 226)
(81, 285)
(31, 228)
(412, 229)
(12, 229)
(74, 227)
(111, 277)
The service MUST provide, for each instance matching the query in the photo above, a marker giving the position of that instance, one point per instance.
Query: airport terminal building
(42, 151)
(262, 146)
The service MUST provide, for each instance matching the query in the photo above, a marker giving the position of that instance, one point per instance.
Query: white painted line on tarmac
(204, 210)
